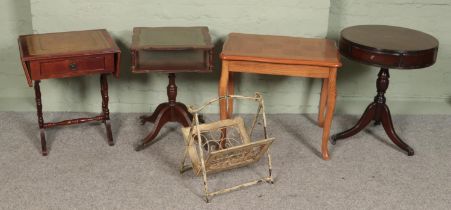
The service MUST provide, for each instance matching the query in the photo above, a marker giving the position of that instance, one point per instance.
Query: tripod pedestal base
(379, 113)
(166, 112)
(368, 116)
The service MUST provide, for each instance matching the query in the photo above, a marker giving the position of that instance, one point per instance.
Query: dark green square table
(170, 50)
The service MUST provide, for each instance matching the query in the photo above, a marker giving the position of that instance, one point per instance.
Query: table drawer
(73, 66)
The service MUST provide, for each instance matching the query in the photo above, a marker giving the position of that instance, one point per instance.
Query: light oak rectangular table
(282, 55)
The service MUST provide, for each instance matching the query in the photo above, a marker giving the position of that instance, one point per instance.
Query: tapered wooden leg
(231, 91)
(184, 107)
(387, 123)
(322, 102)
(366, 118)
(105, 110)
(181, 112)
(37, 91)
(163, 117)
(331, 97)
(223, 82)
(151, 118)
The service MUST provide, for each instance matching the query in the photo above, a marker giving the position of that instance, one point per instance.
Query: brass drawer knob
(73, 66)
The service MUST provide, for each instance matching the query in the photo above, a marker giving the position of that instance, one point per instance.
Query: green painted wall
(15, 18)
(412, 92)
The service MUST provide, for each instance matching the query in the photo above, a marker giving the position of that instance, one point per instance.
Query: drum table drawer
(73, 66)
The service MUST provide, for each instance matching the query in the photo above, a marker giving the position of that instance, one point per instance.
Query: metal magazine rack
(225, 144)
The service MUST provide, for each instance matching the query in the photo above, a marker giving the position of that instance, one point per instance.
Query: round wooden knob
(73, 66)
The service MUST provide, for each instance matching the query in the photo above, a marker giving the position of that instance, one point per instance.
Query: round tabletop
(388, 46)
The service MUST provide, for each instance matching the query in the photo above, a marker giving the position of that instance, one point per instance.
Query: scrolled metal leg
(271, 180)
(184, 167)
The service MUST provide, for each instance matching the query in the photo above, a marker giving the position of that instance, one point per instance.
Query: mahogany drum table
(170, 50)
(385, 47)
(69, 54)
(282, 55)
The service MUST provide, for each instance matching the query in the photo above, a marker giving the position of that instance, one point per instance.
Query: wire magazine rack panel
(225, 144)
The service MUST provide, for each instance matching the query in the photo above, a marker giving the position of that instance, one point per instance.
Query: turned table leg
(104, 117)
(379, 112)
(37, 91)
(105, 110)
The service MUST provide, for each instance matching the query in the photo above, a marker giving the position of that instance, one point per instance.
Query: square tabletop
(171, 38)
(37, 46)
(281, 49)
(171, 49)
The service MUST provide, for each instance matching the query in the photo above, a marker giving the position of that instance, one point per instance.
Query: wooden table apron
(328, 90)
(69, 54)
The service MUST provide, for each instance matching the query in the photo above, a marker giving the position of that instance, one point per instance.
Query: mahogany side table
(69, 54)
(170, 50)
(282, 55)
(386, 47)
